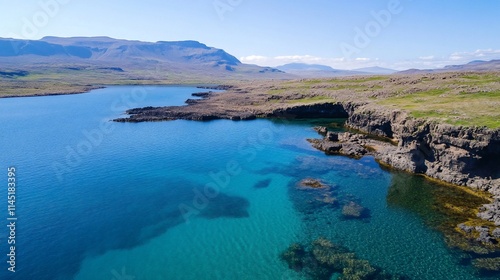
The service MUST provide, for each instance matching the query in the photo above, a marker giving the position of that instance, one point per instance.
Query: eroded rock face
(325, 110)
(462, 156)
(458, 155)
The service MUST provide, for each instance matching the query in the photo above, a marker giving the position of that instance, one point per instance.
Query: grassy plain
(467, 99)
(458, 98)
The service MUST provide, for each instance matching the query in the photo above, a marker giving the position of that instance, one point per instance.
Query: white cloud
(298, 57)
(253, 58)
(430, 57)
(487, 54)
(422, 62)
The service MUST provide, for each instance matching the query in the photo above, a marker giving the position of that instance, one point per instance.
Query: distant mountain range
(377, 70)
(476, 65)
(317, 70)
(179, 61)
(181, 58)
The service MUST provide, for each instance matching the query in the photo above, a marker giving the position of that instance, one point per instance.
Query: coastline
(393, 137)
(86, 89)
(408, 135)
(459, 156)
(242, 102)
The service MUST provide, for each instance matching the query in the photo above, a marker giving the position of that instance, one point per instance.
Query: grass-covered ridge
(464, 99)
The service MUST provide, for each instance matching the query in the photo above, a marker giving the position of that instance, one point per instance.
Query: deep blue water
(187, 200)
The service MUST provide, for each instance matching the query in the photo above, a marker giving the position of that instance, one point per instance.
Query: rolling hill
(180, 59)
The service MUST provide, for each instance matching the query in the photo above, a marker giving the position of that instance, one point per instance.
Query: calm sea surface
(190, 200)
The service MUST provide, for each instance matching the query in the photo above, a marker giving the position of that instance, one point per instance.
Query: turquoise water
(188, 200)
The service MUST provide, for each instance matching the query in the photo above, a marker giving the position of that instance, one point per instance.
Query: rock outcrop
(201, 110)
(347, 144)
(491, 212)
(459, 155)
(465, 156)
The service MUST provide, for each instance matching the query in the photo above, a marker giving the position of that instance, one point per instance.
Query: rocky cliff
(459, 155)
(465, 156)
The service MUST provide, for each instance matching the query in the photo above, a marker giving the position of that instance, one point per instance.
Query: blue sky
(343, 34)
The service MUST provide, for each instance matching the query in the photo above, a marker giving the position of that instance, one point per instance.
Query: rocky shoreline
(205, 110)
(463, 156)
(460, 156)
(457, 155)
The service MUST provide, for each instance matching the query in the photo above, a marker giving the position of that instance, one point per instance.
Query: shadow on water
(135, 225)
(225, 206)
(262, 184)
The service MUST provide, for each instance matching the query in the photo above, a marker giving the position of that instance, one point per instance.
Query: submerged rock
(294, 256)
(313, 193)
(324, 258)
(490, 264)
(353, 210)
(327, 198)
(312, 196)
(310, 183)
